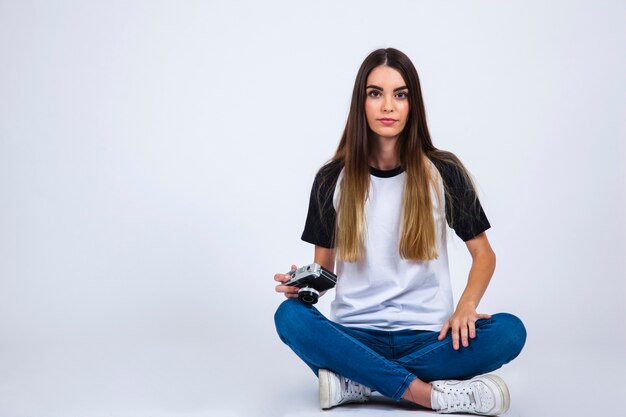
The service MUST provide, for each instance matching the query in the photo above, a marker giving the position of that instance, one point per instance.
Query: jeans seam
(397, 396)
(438, 345)
(425, 352)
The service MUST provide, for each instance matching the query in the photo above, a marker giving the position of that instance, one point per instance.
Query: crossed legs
(403, 368)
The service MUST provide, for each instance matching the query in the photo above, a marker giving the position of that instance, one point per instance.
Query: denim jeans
(388, 361)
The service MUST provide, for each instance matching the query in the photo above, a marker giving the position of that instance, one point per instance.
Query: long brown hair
(414, 146)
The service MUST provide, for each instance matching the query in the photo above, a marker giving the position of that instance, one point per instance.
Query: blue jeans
(388, 361)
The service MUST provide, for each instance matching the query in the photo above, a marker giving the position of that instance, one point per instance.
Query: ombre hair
(414, 146)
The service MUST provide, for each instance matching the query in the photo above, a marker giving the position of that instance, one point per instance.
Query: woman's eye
(376, 93)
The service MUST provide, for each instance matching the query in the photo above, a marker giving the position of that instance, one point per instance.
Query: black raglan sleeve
(464, 213)
(319, 226)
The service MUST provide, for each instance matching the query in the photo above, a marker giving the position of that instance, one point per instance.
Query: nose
(387, 105)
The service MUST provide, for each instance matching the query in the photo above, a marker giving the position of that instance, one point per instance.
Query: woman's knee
(513, 332)
(288, 314)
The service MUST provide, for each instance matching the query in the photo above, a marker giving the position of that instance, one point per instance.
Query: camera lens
(308, 295)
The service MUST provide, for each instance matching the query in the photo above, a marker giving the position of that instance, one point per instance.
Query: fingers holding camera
(281, 277)
(289, 291)
(284, 277)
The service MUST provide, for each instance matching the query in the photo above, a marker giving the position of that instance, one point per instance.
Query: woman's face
(386, 102)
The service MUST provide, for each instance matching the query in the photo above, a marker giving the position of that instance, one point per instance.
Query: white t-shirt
(382, 290)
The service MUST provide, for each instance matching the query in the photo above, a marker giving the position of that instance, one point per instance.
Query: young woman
(378, 209)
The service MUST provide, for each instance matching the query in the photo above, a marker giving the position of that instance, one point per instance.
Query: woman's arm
(462, 321)
(325, 257)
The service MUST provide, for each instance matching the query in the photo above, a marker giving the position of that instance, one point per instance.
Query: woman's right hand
(289, 291)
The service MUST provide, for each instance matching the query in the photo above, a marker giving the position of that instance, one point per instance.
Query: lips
(387, 121)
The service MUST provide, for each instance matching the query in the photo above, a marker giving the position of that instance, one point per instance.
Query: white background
(156, 159)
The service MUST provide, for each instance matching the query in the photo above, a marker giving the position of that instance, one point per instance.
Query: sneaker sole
(324, 382)
(504, 392)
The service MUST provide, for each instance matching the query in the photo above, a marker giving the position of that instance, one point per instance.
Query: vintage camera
(311, 279)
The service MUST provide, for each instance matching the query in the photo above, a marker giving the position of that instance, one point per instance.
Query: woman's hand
(289, 291)
(462, 325)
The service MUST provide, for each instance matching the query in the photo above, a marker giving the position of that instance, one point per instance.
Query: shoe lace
(463, 399)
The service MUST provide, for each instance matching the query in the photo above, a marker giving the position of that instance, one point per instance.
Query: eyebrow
(404, 87)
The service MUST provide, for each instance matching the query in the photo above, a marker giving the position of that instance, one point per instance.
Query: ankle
(419, 392)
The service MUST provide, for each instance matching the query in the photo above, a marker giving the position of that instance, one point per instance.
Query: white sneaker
(336, 389)
(484, 394)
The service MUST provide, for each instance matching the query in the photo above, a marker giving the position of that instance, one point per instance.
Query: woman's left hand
(462, 325)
